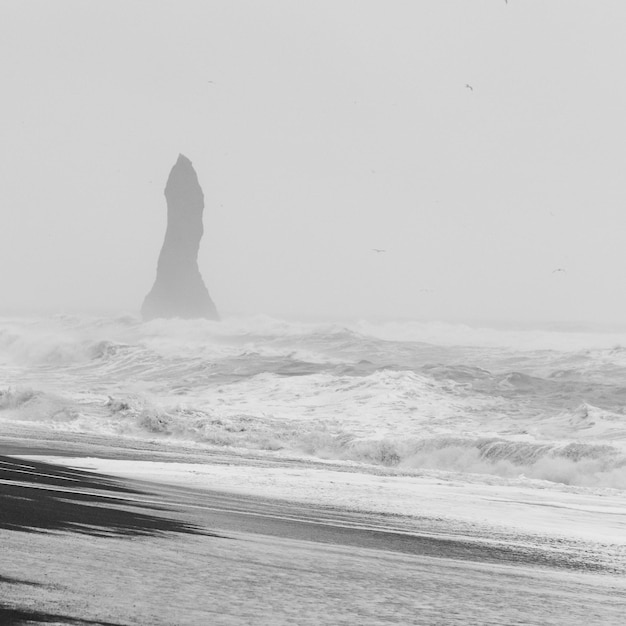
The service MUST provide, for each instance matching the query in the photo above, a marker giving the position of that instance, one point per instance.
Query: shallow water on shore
(171, 554)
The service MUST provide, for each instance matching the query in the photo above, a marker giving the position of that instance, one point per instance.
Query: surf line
(318, 521)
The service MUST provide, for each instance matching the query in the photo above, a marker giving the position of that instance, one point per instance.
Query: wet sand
(84, 548)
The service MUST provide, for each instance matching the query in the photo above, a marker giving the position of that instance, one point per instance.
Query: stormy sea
(511, 436)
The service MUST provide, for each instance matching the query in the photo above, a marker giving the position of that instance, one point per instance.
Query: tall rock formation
(179, 290)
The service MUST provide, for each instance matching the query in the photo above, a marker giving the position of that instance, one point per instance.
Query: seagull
(558, 269)
(468, 86)
(378, 250)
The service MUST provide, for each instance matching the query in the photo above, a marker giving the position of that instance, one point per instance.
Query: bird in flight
(378, 250)
(468, 86)
(558, 269)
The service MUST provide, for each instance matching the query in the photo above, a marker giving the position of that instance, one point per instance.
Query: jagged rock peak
(179, 290)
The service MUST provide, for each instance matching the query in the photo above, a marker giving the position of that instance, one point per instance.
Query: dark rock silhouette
(179, 290)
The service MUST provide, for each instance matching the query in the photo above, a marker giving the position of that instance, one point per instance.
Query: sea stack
(179, 290)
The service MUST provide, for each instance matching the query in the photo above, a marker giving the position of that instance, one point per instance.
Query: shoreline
(71, 482)
(141, 533)
(467, 504)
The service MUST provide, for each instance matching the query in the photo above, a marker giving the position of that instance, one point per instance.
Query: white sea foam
(544, 405)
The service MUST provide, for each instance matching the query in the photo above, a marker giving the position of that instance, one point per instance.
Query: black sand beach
(84, 548)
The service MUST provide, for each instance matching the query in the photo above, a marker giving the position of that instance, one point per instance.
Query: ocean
(544, 408)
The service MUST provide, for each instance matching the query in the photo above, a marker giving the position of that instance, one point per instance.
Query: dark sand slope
(46, 497)
(40, 497)
(80, 548)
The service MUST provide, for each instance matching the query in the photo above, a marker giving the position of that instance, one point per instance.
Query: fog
(319, 131)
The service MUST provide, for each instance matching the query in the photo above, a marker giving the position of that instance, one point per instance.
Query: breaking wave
(408, 396)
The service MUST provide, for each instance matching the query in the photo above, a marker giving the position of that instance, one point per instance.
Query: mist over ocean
(540, 407)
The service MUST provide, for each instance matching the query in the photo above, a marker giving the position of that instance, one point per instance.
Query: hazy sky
(320, 130)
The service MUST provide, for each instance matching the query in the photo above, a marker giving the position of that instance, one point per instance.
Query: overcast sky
(320, 130)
